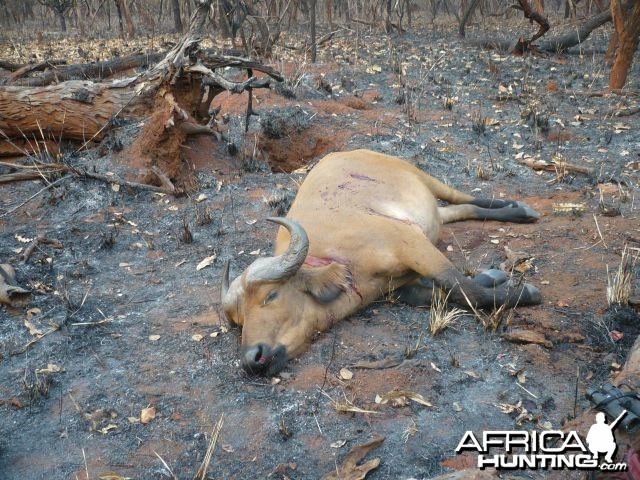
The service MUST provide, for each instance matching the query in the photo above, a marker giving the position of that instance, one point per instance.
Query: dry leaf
(527, 336)
(416, 397)
(206, 262)
(519, 261)
(22, 239)
(33, 312)
(346, 374)
(196, 337)
(51, 368)
(106, 429)
(509, 408)
(567, 207)
(32, 329)
(338, 444)
(350, 470)
(147, 414)
(112, 476)
(546, 425)
(228, 448)
(472, 374)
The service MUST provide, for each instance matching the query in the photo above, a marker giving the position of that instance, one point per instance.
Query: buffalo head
(280, 302)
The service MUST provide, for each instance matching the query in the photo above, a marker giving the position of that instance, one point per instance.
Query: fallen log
(34, 67)
(576, 36)
(73, 110)
(83, 71)
(554, 45)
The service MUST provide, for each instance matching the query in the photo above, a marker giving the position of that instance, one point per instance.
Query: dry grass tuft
(619, 283)
(440, 317)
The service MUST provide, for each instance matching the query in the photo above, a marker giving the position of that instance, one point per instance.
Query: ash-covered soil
(131, 322)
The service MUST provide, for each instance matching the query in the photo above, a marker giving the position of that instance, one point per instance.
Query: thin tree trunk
(131, 30)
(312, 18)
(120, 22)
(177, 20)
(467, 16)
(627, 26)
(63, 22)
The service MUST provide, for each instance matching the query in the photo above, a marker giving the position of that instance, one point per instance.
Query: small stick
(125, 183)
(173, 475)
(55, 328)
(599, 232)
(201, 474)
(522, 387)
(552, 166)
(86, 467)
(39, 240)
(575, 395)
(164, 180)
(53, 184)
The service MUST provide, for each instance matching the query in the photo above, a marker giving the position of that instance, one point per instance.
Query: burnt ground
(121, 302)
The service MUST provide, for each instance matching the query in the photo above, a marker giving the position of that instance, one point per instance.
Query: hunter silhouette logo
(600, 437)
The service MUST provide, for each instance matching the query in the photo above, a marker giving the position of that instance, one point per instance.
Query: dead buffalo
(362, 224)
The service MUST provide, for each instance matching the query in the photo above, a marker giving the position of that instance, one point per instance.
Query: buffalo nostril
(256, 358)
(257, 354)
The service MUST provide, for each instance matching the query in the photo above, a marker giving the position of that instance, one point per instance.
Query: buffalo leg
(420, 292)
(426, 260)
(517, 212)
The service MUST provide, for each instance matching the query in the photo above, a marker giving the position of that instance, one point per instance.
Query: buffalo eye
(271, 297)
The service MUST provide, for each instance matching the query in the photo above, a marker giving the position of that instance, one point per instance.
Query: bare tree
(123, 13)
(626, 22)
(312, 19)
(60, 8)
(177, 19)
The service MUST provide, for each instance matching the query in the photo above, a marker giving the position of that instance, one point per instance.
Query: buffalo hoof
(490, 278)
(530, 295)
(524, 213)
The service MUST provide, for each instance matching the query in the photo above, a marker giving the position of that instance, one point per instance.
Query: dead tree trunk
(177, 19)
(312, 19)
(468, 13)
(627, 31)
(577, 36)
(75, 110)
(533, 16)
(561, 43)
(94, 71)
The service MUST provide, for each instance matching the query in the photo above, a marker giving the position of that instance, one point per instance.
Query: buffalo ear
(325, 283)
